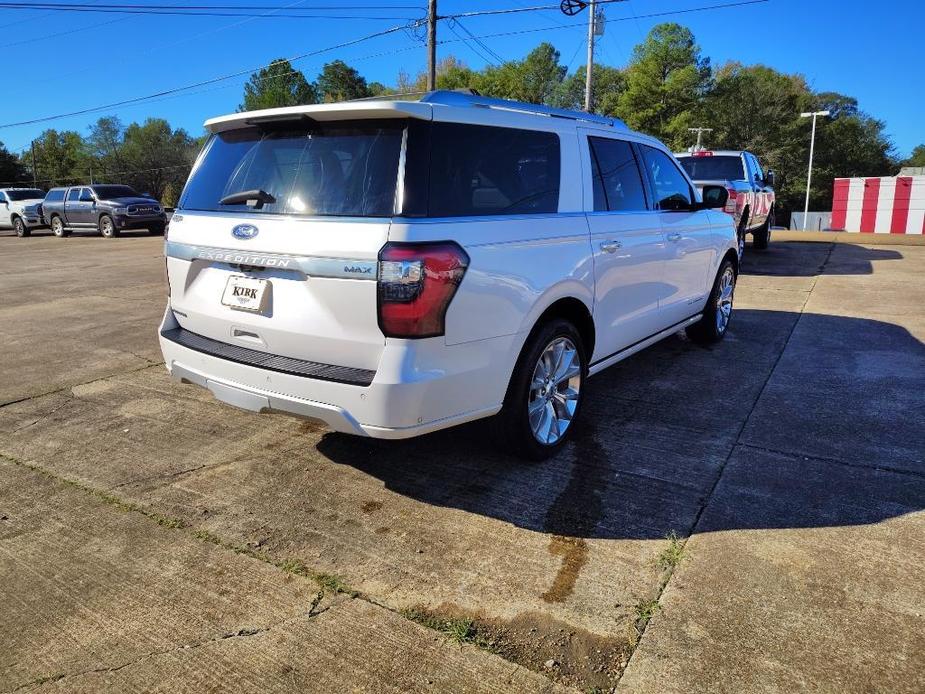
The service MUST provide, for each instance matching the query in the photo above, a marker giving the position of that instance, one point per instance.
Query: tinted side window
(55, 195)
(483, 170)
(73, 195)
(617, 180)
(672, 191)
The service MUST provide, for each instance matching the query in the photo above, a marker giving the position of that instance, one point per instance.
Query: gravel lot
(747, 517)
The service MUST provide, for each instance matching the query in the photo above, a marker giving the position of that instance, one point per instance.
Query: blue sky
(872, 52)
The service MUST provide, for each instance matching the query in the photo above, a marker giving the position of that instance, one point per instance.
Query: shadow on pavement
(660, 427)
(779, 259)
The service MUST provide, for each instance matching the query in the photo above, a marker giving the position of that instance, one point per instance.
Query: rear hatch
(274, 244)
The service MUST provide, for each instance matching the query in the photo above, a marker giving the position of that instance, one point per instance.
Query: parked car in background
(751, 190)
(21, 209)
(108, 208)
(396, 267)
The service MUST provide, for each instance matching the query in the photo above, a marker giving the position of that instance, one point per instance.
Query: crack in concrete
(166, 478)
(243, 633)
(70, 386)
(669, 573)
(833, 461)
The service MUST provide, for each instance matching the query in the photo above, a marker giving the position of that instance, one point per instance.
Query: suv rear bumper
(407, 396)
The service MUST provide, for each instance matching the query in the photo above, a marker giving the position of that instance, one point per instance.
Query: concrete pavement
(790, 454)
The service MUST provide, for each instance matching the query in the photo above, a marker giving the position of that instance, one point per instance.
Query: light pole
(590, 65)
(809, 175)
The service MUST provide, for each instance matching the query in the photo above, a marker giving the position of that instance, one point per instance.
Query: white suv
(396, 267)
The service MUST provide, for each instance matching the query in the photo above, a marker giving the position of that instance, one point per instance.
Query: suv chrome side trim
(310, 266)
(271, 362)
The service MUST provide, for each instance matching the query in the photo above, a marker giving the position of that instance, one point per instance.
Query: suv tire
(544, 398)
(762, 237)
(714, 322)
(107, 227)
(57, 228)
(20, 227)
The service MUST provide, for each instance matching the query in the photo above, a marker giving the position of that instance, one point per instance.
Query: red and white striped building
(888, 205)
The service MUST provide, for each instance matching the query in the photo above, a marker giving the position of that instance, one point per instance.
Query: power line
(184, 6)
(485, 47)
(361, 39)
(194, 85)
(190, 12)
(64, 33)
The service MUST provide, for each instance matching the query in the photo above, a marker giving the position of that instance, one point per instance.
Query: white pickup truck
(751, 190)
(21, 209)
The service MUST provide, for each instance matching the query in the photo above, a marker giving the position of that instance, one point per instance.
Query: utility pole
(35, 183)
(588, 75)
(700, 132)
(91, 172)
(809, 175)
(431, 45)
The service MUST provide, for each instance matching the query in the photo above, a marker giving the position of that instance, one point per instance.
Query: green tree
(917, 158)
(11, 168)
(757, 108)
(61, 158)
(853, 145)
(452, 73)
(104, 144)
(665, 81)
(155, 156)
(608, 83)
(340, 82)
(278, 84)
(536, 79)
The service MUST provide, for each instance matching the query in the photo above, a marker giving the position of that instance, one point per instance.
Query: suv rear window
(483, 170)
(55, 195)
(344, 168)
(723, 168)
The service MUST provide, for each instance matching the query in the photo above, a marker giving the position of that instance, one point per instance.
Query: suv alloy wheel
(717, 313)
(544, 397)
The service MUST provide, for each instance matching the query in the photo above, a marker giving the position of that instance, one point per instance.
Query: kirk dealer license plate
(245, 293)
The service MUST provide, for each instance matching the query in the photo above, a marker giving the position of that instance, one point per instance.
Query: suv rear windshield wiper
(253, 198)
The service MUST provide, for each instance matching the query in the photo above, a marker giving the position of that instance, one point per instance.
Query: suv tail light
(417, 281)
(703, 153)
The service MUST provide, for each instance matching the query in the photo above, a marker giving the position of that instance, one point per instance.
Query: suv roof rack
(470, 97)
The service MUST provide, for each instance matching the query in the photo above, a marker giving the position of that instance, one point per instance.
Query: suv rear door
(627, 243)
(313, 250)
(688, 235)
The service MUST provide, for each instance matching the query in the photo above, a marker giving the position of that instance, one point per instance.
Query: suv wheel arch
(569, 308)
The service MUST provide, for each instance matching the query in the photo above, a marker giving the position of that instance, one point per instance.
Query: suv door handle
(610, 246)
(674, 236)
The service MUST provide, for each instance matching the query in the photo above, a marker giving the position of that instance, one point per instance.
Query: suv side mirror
(769, 178)
(714, 197)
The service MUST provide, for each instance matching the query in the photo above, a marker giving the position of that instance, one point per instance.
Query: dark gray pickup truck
(107, 208)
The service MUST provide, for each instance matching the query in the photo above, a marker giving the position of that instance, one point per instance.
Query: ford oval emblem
(245, 231)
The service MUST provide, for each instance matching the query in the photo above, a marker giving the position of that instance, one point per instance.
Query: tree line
(150, 156)
(667, 87)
